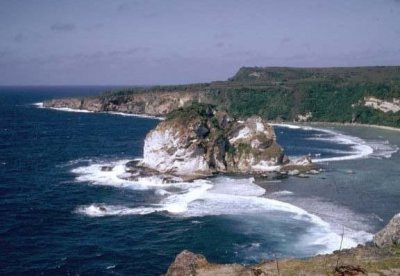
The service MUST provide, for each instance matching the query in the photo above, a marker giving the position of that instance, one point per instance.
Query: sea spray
(221, 196)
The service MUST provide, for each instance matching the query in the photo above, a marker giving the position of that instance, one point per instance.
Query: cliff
(362, 260)
(200, 140)
(146, 103)
(390, 234)
(366, 95)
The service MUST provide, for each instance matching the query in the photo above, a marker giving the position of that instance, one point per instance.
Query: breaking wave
(212, 197)
(67, 109)
(359, 148)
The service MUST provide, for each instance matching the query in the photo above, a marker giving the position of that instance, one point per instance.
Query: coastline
(76, 110)
(360, 260)
(347, 124)
(380, 257)
(69, 109)
(303, 124)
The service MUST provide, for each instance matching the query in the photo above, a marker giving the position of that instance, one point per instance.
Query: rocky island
(200, 141)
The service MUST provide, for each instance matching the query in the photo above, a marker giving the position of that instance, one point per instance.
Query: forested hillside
(369, 95)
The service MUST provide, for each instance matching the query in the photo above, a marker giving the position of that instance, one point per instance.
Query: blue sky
(168, 42)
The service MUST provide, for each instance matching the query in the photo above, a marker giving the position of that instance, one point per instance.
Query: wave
(211, 197)
(281, 193)
(67, 109)
(38, 105)
(359, 148)
(103, 210)
(135, 115)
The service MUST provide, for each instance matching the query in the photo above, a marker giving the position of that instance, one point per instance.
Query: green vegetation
(280, 93)
(194, 110)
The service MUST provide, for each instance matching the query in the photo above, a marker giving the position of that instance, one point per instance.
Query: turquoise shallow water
(51, 187)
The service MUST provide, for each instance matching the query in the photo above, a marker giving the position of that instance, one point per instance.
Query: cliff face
(199, 140)
(151, 103)
(367, 95)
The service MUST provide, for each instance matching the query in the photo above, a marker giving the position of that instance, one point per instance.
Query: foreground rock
(390, 235)
(200, 141)
(362, 260)
(188, 263)
(357, 261)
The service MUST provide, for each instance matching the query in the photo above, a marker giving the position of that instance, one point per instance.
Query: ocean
(62, 214)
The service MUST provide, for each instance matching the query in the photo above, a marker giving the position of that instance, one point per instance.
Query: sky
(121, 42)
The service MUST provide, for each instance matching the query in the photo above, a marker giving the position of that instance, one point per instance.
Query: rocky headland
(382, 257)
(141, 103)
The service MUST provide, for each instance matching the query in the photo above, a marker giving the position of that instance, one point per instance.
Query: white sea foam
(103, 210)
(135, 115)
(161, 192)
(67, 109)
(212, 197)
(281, 193)
(93, 173)
(38, 105)
(287, 126)
(383, 149)
(359, 148)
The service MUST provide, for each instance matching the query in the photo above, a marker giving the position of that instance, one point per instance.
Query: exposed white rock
(242, 134)
(303, 161)
(294, 172)
(305, 117)
(384, 106)
(266, 166)
(166, 152)
(213, 142)
(255, 74)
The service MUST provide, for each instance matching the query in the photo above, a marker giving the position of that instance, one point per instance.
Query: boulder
(390, 234)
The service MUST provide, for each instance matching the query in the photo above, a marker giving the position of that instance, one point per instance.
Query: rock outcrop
(390, 234)
(187, 264)
(147, 103)
(382, 105)
(200, 141)
(361, 260)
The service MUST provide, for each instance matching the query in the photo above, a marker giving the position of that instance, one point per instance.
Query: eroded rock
(390, 234)
(186, 263)
(201, 141)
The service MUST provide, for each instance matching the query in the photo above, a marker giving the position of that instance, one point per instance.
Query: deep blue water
(41, 232)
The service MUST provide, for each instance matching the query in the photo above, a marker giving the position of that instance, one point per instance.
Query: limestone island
(200, 141)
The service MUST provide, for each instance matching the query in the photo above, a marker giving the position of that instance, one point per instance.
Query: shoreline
(294, 123)
(76, 110)
(65, 109)
(345, 124)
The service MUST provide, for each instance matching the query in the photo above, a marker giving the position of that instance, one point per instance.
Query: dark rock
(202, 131)
(106, 168)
